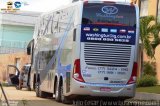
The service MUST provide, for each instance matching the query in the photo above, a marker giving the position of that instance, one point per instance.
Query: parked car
(14, 77)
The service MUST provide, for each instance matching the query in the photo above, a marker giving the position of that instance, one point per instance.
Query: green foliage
(152, 89)
(4, 84)
(146, 81)
(149, 29)
(149, 69)
(149, 76)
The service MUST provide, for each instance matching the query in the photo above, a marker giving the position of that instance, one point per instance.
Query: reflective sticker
(122, 31)
(113, 30)
(104, 30)
(95, 29)
(86, 28)
(131, 31)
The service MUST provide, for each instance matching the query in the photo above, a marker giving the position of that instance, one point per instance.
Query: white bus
(88, 48)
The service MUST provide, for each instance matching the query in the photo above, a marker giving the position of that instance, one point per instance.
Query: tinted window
(109, 14)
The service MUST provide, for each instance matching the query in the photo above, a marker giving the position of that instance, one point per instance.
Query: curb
(147, 96)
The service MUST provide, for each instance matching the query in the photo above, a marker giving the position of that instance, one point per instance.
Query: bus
(88, 48)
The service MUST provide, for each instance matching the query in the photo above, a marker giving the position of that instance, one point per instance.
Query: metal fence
(12, 46)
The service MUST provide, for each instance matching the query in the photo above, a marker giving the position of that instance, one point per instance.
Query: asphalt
(147, 96)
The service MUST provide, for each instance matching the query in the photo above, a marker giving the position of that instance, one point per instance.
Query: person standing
(21, 77)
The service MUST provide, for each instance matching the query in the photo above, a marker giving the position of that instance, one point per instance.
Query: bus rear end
(108, 51)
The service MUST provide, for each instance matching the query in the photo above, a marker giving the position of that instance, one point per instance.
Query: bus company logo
(109, 10)
(95, 29)
(17, 4)
(86, 29)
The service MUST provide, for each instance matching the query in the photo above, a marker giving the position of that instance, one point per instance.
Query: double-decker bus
(88, 48)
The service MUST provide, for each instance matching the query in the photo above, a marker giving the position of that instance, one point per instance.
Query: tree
(149, 34)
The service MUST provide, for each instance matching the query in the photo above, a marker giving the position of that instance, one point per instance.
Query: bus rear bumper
(102, 90)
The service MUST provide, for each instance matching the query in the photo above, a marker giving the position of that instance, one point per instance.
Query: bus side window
(54, 64)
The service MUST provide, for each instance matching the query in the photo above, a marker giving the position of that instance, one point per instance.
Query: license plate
(106, 89)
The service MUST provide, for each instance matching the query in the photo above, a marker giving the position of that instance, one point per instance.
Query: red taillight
(131, 4)
(86, 2)
(77, 72)
(134, 74)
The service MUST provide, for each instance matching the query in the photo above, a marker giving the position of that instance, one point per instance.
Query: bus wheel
(37, 89)
(57, 93)
(64, 99)
(39, 93)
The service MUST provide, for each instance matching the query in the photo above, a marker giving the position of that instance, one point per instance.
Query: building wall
(10, 59)
(20, 33)
(157, 56)
(15, 36)
(152, 6)
(152, 10)
(16, 30)
(17, 27)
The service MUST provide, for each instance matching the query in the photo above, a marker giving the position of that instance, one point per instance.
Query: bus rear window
(109, 14)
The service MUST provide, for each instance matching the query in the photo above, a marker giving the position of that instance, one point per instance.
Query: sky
(39, 5)
(44, 5)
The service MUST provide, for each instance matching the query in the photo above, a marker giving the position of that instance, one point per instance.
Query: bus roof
(124, 1)
(81, 1)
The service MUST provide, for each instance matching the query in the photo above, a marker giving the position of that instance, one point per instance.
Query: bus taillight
(86, 2)
(77, 72)
(134, 74)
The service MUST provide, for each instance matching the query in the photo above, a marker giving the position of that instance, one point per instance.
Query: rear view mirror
(28, 50)
(29, 47)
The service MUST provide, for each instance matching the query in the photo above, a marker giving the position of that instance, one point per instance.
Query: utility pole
(4, 94)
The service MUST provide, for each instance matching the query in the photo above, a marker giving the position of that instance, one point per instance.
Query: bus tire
(64, 99)
(37, 89)
(40, 93)
(57, 93)
(34, 82)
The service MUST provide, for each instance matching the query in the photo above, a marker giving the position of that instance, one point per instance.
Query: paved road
(22, 97)
(28, 98)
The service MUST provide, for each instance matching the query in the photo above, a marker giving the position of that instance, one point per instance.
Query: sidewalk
(146, 96)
